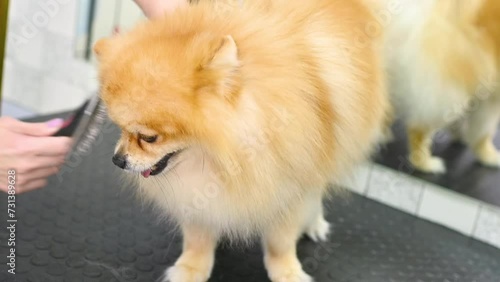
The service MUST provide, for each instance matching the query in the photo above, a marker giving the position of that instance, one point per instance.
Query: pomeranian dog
(234, 122)
(443, 58)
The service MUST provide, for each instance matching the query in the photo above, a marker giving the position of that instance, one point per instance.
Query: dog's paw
(437, 165)
(294, 277)
(487, 154)
(433, 165)
(319, 230)
(491, 160)
(180, 273)
(285, 269)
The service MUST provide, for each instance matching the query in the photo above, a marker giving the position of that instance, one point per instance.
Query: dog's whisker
(179, 179)
(171, 188)
(160, 186)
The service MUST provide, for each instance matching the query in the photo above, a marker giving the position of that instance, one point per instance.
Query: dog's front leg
(197, 259)
(280, 253)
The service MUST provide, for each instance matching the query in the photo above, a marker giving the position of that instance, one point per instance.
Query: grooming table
(88, 227)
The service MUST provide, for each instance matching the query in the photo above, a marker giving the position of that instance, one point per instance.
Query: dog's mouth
(159, 166)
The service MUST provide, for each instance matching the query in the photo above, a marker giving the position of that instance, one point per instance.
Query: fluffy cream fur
(443, 61)
(268, 104)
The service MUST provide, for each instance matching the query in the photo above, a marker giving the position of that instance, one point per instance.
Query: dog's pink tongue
(146, 173)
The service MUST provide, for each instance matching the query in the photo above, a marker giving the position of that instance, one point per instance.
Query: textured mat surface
(88, 228)
(465, 175)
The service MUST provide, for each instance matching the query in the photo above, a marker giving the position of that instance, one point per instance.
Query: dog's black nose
(120, 161)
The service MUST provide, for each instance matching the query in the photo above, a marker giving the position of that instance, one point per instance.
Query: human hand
(157, 8)
(30, 150)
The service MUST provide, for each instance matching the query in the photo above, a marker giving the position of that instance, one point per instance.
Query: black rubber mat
(88, 228)
(465, 175)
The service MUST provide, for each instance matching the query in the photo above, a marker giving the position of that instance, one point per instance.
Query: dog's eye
(149, 139)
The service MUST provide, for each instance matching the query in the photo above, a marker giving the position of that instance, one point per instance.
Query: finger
(49, 161)
(39, 162)
(37, 179)
(36, 129)
(24, 179)
(48, 146)
(3, 187)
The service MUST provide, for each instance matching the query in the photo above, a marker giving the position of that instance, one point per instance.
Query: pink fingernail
(57, 122)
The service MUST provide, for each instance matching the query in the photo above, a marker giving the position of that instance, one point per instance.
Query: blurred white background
(46, 66)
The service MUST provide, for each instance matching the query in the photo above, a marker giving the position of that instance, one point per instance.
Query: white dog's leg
(197, 259)
(482, 125)
(280, 247)
(317, 229)
(420, 151)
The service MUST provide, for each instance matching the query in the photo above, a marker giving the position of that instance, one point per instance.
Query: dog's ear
(220, 73)
(226, 55)
(101, 47)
